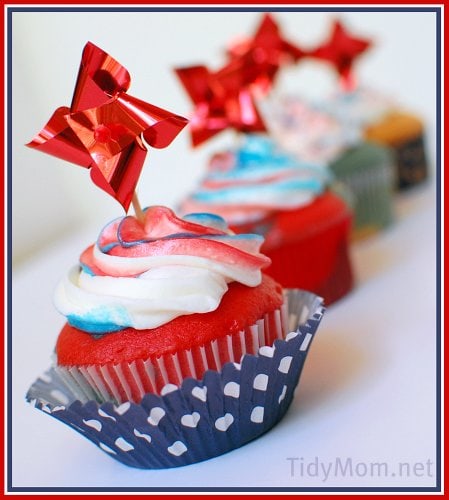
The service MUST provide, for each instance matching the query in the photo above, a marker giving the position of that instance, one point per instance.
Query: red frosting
(240, 307)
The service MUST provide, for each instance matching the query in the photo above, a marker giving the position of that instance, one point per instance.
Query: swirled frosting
(308, 132)
(249, 182)
(143, 275)
(360, 107)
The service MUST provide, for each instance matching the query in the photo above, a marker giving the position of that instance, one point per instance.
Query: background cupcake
(379, 118)
(379, 351)
(306, 224)
(365, 168)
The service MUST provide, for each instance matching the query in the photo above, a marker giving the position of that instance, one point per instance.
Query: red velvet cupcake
(152, 304)
(177, 348)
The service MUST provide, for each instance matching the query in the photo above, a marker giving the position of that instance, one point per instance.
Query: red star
(342, 50)
(261, 57)
(104, 129)
(221, 101)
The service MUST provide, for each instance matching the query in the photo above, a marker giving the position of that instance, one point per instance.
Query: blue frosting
(207, 219)
(101, 320)
(230, 194)
(260, 159)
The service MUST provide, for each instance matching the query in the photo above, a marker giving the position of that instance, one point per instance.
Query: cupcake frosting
(144, 274)
(360, 107)
(307, 131)
(251, 181)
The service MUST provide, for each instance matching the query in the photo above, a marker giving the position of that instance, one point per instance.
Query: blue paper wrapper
(200, 419)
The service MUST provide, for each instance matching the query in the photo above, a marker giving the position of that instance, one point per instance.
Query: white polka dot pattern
(284, 365)
(261, 382)
(199, 419)
(155, 415)
(190, 420)
(177, 448)
(200, 393)
(232, 389)
(123, 444)
(257, 414)
(223, 423)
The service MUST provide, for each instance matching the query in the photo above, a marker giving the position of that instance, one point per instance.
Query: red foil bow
(341, 50)
(262, 56)
(221, 101)
(104, 127)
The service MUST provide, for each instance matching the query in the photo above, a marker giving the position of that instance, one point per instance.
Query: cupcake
(306, 224)
(377, 116)
(177, 348)
(404, 133)
(365, 168)
(383, 121)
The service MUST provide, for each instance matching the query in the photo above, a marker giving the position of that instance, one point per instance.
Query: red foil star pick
(104, 129)
(341, 50)
(221, 101)
(262, 56)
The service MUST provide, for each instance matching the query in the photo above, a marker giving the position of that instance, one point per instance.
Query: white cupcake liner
(202, 418)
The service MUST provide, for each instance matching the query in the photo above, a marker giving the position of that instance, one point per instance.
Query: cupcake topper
(221, 100)
(341, 50)
(262, 56)
(104, 129)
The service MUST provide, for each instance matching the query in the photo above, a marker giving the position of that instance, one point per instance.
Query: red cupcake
(177, 348)
(154, 303)
(306, 222)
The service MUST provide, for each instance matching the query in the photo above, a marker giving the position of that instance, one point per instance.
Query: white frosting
(141, 287)
(155, 298)
(360, 107)
(307, 131)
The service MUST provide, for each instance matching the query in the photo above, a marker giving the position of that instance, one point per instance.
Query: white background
(368, 388)
(52, 197)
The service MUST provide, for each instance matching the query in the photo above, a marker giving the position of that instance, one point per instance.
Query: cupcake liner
(411, 163)
(131, 381)
(200, 419)
(373, 202)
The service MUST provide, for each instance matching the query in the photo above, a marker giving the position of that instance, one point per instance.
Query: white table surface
(367, 392)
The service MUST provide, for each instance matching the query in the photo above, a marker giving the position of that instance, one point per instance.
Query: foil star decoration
(341, 50)
(221, 101)
(105, 129)
(261, 57)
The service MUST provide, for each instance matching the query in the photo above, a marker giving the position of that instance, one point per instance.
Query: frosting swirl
(307, 131)
(255, 179)
(360, 107)
(143, 275)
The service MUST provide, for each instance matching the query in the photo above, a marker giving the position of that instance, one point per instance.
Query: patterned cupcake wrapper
(200, 419)
(372, 190)
(411, 163)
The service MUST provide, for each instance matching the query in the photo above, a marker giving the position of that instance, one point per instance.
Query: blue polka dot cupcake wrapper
(200, 419)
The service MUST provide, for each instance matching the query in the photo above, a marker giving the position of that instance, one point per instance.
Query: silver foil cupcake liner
(200, 419)
(124, 381)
